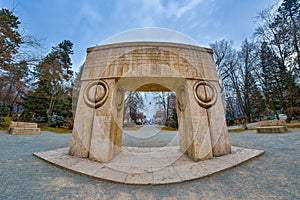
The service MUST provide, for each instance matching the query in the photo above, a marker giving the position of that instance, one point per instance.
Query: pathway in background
(145, 131)
(150, 136)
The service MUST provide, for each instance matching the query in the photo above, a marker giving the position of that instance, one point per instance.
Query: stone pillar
(106, 137)
(83, 122)
(217, 123)
(207, 94)
(194, 130)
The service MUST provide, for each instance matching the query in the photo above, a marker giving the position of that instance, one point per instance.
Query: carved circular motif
(205, 94)
(95, 93)
(181, 98)
(119, 98)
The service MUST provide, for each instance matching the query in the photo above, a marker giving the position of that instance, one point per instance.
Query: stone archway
(112, 69)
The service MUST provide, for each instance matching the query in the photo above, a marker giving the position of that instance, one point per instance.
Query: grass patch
(56, 130)
(293, 125)
(241, 129)
(236, 130)
(165, 128)
(3, 128)
(46, 128)
(135, 128)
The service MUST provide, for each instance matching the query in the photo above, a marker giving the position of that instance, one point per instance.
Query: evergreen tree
(54, 74)
(271, 79)
(10, 38)
(279, 37)
(289, 15)
(55, 71)
(76, 88)
(35, 104)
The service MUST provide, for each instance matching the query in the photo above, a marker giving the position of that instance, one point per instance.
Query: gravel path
(150, 136)
(274, 175)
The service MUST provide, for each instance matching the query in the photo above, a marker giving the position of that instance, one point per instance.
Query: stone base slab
(149, 166)
(272, 129)
(22, 130)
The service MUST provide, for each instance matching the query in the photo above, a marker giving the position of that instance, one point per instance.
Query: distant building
(159, 117)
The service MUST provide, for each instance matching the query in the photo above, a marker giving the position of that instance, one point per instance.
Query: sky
(87, 23)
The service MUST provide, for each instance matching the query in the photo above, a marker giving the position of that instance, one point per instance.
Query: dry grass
(45, 128)
(135, 128)
(3, 128)
(165, 128)
(56, 130)
(290, 126)
(241, 129)
(295, 125)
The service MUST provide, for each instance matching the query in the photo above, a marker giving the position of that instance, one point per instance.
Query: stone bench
(23, 128)
(274, 126)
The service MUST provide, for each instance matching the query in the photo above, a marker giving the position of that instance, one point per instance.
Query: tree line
(262, 77)
(33, 87)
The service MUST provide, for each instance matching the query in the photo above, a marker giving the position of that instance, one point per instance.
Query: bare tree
(17, 57)
(133, 103)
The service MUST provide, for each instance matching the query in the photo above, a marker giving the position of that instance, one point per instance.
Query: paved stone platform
(149, 166)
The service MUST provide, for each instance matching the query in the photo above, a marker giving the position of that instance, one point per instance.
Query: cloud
(90, 12)
(147, 13)
(155, 6)
(178, 9)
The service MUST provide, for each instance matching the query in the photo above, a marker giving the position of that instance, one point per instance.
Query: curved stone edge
(181, 170)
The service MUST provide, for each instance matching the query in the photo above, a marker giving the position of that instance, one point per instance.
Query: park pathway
(149, 136)
(144, 132)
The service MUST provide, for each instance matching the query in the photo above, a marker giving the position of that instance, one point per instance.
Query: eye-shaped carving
(181, 98)
(119, 98)
(205, 94)
(95, 93)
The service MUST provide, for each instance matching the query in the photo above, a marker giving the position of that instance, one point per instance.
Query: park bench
(273, 126)
(23, 128)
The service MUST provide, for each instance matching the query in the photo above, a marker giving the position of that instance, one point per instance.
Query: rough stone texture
(274, 126)
(148, 166)
(110, 70)
(23, 128)
(273, 123)
(272, 129)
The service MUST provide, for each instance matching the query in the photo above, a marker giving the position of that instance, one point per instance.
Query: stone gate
(111, 70)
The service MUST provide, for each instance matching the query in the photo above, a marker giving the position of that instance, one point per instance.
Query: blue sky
(89, 22)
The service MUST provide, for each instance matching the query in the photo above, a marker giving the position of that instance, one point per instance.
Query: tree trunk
(50, 109)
